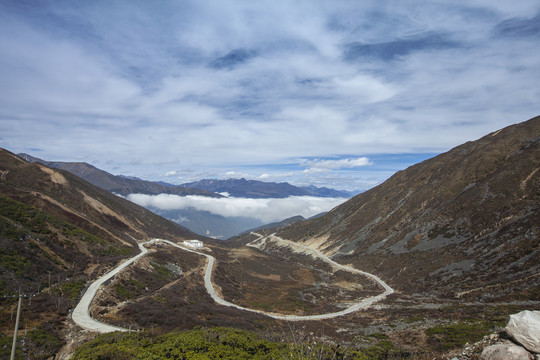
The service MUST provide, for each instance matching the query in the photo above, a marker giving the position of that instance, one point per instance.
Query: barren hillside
(464, 224)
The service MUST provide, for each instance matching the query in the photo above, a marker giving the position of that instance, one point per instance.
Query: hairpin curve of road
(81, 313)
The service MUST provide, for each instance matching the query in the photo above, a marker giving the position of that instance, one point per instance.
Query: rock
(505, 351)
(524, 327)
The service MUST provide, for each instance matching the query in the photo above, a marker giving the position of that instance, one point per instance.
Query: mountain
(464, 224)
(259, 189)
(200, 222)
(208, 224)
(327, 192)
(275, 225)
(118, 184)
(124, 185)
(36, 197)
(58, 232)
(456, 236)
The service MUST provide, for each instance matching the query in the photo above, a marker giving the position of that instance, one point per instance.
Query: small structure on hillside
(193, 243)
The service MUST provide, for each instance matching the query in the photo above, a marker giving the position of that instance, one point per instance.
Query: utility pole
(16, 329)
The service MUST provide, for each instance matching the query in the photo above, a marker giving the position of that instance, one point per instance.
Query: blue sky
(331, 93)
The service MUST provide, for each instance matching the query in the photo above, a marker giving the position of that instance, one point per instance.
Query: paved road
(355, 307)
(81, 315)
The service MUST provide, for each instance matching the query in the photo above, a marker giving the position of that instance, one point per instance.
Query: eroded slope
(462, 224)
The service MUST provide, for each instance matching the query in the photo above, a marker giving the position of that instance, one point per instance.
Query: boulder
(505, 351)
(524, 328)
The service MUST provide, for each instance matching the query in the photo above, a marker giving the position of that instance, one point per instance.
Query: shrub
(73, 289)
(445, 337)
(42, 344)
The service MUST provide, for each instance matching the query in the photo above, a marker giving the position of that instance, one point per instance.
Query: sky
(331, 93)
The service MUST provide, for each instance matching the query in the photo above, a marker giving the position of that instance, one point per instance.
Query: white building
(193, 243)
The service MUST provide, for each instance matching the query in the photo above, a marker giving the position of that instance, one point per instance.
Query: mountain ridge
(118, 184)
(438, 216)
(260, 189)
(198, 221)
(456, 236)
(125, 185)
(62, 193)
(57, 232)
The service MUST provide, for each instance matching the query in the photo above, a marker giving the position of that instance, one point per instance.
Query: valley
(437, 256)
(203, 212)
(81, 314)
(403, 318)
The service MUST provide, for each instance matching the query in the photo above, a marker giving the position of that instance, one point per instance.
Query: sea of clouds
(265, 210)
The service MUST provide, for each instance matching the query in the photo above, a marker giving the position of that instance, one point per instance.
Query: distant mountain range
(276, 225)
(124, 185)
(118, 184)
(208, 224)
(254, 189)
(201, 222)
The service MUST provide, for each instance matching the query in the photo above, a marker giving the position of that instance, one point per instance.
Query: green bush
(11, 261)
(127, 289)
(73, 289)
(445, 337)
(5, 348)
(218, 343)
(42, 344)
(215, 343)
(161, 270)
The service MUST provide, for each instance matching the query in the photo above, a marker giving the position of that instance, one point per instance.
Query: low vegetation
(71, 289)
(37, 344)
(445, 337)
(284, 281)
(222, 343)
(44, 258)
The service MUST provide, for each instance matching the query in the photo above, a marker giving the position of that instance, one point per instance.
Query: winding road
(81, 313)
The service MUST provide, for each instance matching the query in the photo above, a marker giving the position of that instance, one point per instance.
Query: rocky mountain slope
(464, 224)
(275, 225)
(50, 189)
(117, 184)
(58, 232)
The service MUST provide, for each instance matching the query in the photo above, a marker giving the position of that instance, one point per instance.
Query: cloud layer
(265, 210)
(197, 89)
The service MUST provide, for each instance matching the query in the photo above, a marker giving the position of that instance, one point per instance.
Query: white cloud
(182, 219)
(171, 173)
(128, 83)
(319, 165)
(266, 210)
(66, 80)
(364, 87)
